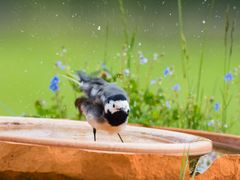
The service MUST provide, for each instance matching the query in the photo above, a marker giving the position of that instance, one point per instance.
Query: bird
(105, 105)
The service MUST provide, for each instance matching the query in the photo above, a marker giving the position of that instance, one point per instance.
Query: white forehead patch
(114, 106)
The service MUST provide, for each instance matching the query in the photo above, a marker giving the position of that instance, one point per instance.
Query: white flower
(126, 72)
(155, 56)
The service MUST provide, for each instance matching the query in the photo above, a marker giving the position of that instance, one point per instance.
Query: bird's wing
(92, 87)
(92, 110)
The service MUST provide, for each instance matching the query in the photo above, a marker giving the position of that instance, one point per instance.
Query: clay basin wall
(57, 157)
(23, 160)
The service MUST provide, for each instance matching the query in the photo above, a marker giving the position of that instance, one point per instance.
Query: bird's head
(116, 109)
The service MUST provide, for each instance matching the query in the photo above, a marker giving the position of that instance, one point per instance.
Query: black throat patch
(117, 118)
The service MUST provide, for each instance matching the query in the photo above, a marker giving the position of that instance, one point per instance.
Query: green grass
(27, 69)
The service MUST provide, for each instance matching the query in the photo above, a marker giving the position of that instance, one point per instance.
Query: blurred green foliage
(151, 104)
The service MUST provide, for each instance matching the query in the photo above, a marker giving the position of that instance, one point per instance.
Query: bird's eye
(113, 105)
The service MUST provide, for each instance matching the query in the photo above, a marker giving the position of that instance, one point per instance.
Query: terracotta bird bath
(64, 149)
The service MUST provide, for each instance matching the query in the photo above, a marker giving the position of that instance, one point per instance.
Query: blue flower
(104, 66)
(54, 84)
(168, 105)
(228, 77)
(55, 79)
(216, 106)
(143, 60)
(176, 87)
(60, 65)
(167, 71)
(211, 123)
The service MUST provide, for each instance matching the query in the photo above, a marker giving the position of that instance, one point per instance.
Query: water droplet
(74, 15)
(139, 44)
(203, 21)
(56, 15)
(204, 1)
(99, 28)
(144, 8)
(170, 14)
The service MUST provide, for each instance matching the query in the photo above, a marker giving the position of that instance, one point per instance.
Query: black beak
(123, 110)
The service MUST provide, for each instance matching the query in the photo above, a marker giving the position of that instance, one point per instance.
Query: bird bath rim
(52, 132)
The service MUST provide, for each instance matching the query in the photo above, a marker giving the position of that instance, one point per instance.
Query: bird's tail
(83, 77)
(79, 101)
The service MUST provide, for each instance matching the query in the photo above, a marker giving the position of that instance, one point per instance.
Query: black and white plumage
(106, 106)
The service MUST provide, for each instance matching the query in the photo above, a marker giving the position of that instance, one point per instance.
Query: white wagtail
(106, 106)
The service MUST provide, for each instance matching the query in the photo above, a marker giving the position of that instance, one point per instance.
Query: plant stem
(129, 42)
(202, 53)
(183, 44)
(184, 164)
(130, 49)
(227, 63)
(124, 20)
(59, 105)
(231, 44)
(226, 40)
(106, 44)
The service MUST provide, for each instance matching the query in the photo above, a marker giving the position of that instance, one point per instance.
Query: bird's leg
(120, 137)
(94, 134)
